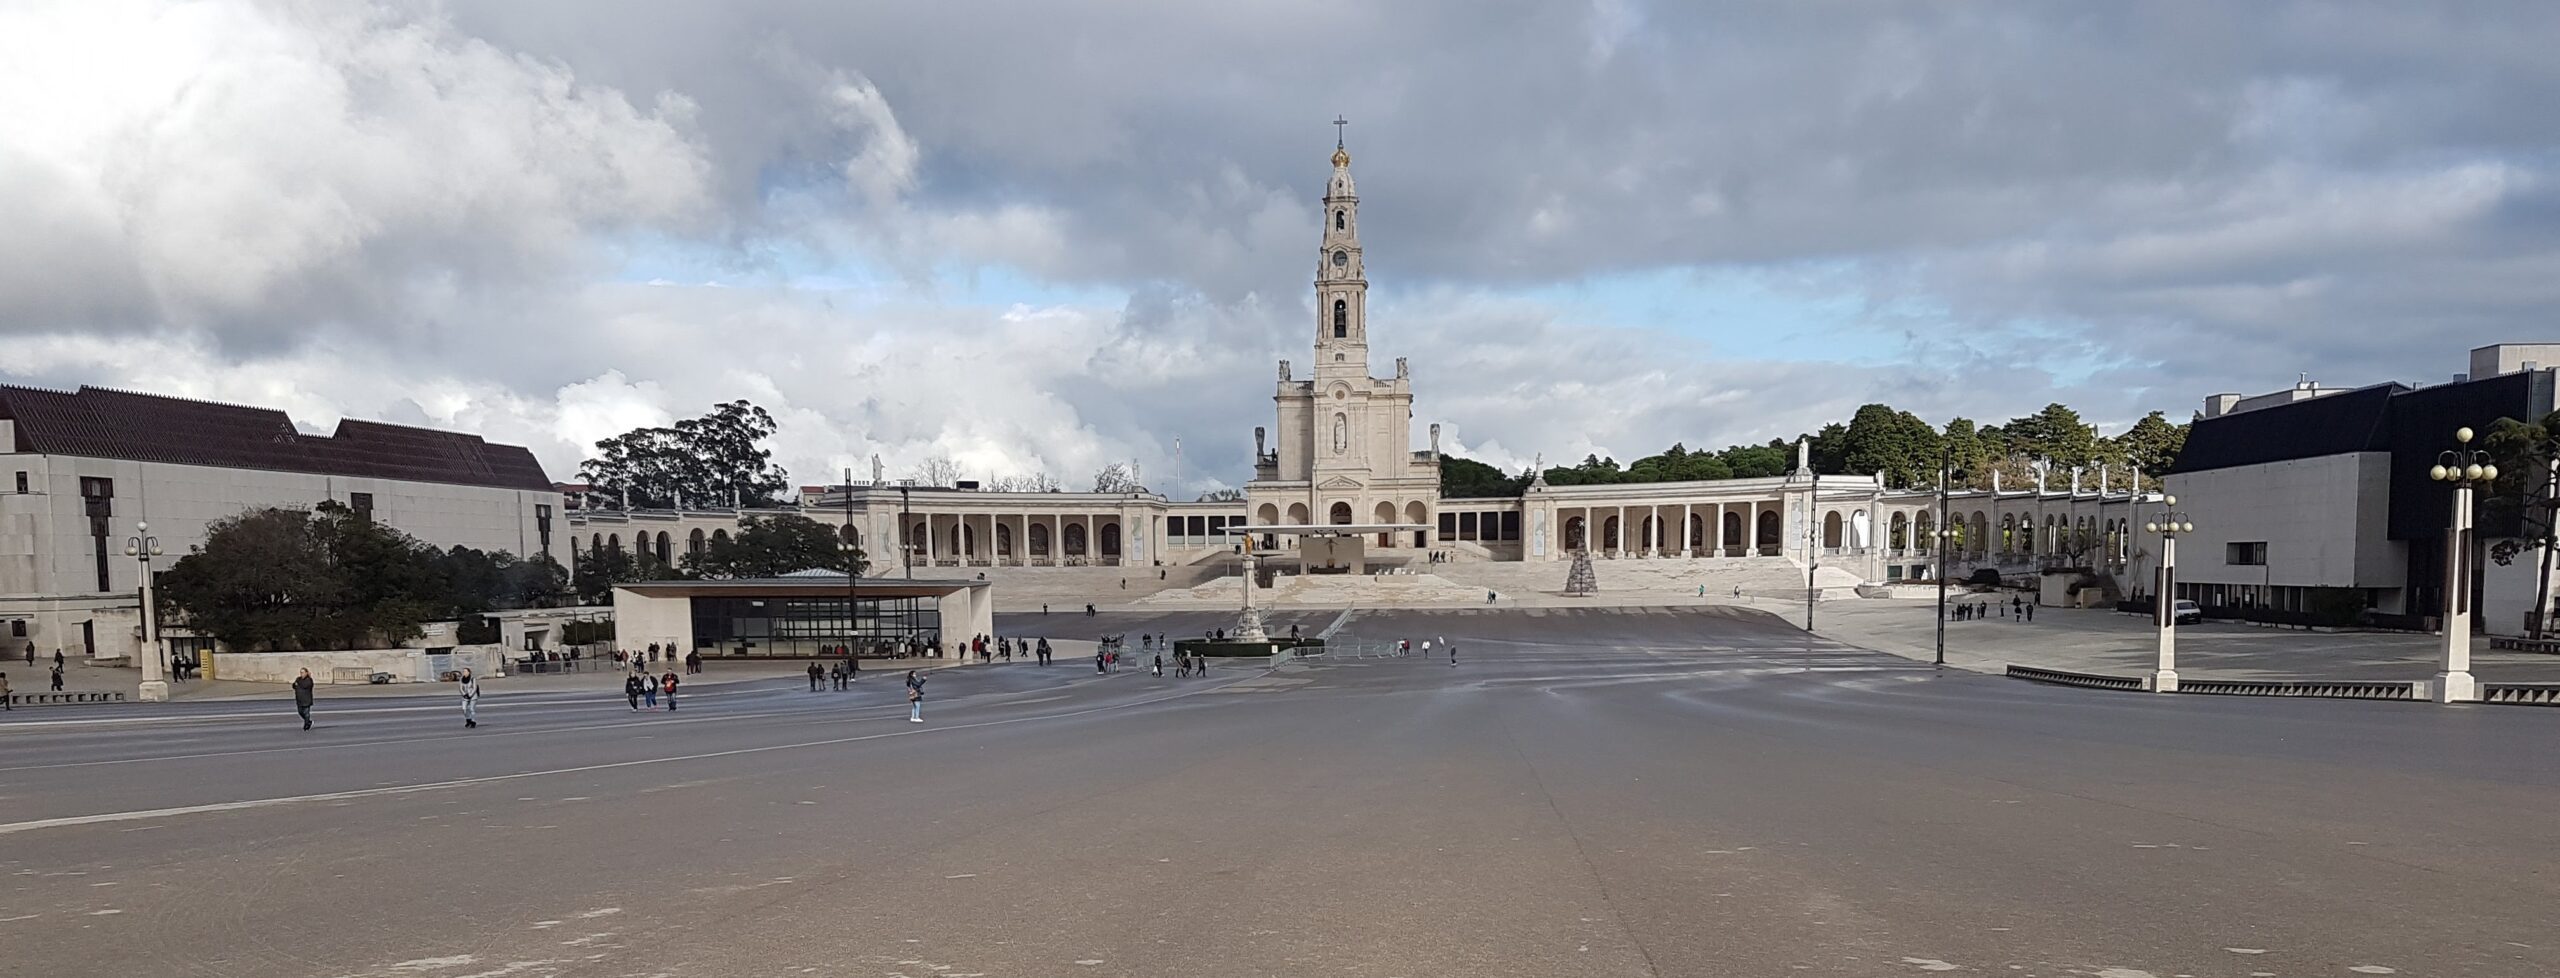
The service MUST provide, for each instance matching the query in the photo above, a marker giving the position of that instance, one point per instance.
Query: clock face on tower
(1342, 259)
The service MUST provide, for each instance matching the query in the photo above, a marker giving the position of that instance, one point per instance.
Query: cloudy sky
(1044, 236)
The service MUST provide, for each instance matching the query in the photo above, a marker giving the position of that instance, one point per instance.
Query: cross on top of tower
(1338, 123)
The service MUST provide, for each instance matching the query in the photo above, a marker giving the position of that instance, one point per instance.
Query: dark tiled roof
(2337, 424)
(101, 423)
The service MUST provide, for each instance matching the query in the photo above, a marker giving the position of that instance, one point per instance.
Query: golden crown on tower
(1341, 157)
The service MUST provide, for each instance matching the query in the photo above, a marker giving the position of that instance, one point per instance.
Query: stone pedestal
(153, 691)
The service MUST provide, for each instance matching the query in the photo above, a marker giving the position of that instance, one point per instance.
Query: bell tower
(1342, 286)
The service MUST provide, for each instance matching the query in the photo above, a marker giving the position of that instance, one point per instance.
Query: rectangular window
(2245, 554)
(362, 503)
(542, 524)
(1511, 526)
(22, 483)
(1466, 526)
(98, 503)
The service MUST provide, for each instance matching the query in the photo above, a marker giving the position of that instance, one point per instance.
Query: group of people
(2018, 609)
(640, 689)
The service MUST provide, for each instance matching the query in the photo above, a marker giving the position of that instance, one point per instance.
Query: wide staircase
(1665, 577)
(1028, 588)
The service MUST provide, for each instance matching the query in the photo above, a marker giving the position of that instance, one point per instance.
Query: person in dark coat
(302, 697)
(813, 677)
(631, 690)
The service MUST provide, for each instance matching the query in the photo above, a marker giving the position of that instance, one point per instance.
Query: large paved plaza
(1587, 792)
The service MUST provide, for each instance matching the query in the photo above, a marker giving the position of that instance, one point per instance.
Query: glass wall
(811, 626)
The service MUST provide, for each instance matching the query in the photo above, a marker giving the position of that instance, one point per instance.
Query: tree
(772, 546)
(2152, 443)
(2525, 491)
(601, 568)
(1758, 461)
(937, 470)
(705, 461)
(329, 579)
(1896, 443)
(1678, 464)
(1466, 478)
(2055, 433)
(1035, 482)
(1222, 496)
(1116, 477)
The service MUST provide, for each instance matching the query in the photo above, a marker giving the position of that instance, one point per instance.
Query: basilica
(1341, 452)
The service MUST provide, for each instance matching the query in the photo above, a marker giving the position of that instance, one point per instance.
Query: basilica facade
(1340, 452)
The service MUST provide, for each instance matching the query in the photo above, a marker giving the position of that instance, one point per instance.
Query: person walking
(57, 658)
(669, 680)
(57, 675)
(302, 697)
(1200, 665)
(852, 668)
(8, 702)
(1101, 662)
(915, 697)
(648, 688)
(2031, 611)
(470, 700)
(813, 677)
(1158, 668)
(1453, 652)
(631, 690)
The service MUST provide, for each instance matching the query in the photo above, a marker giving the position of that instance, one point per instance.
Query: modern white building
(84, 468)
(2316, 488)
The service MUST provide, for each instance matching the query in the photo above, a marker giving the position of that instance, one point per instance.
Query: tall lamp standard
(2465, 468)
(142, 546)
(2164, 605)
(1946, 544)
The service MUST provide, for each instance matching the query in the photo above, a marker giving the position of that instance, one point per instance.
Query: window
(1337, 220)
(93, 487)
(542, 524)
(22, 483)
(362, 503)
(2245, 554)
(1341, 319)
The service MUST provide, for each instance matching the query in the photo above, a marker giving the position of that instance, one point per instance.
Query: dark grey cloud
(2119, 206)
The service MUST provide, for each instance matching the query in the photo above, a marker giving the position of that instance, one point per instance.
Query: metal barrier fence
(2521, 694)
(1339, 649)
(2331, 690)
(2082, 679)
(46, 699)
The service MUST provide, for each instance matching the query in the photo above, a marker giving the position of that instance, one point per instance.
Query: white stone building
(85, 467)
(1341, 453)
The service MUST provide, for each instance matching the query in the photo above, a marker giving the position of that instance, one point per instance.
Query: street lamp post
(142, 546)
(2464, 468)
(1946, 543)
(2164, 605)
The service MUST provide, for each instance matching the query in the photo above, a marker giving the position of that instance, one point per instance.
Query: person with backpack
(631, 690)
(301, 697)
(915, 697)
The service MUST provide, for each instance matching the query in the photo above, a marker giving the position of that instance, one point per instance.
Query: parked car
(2183, 611)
